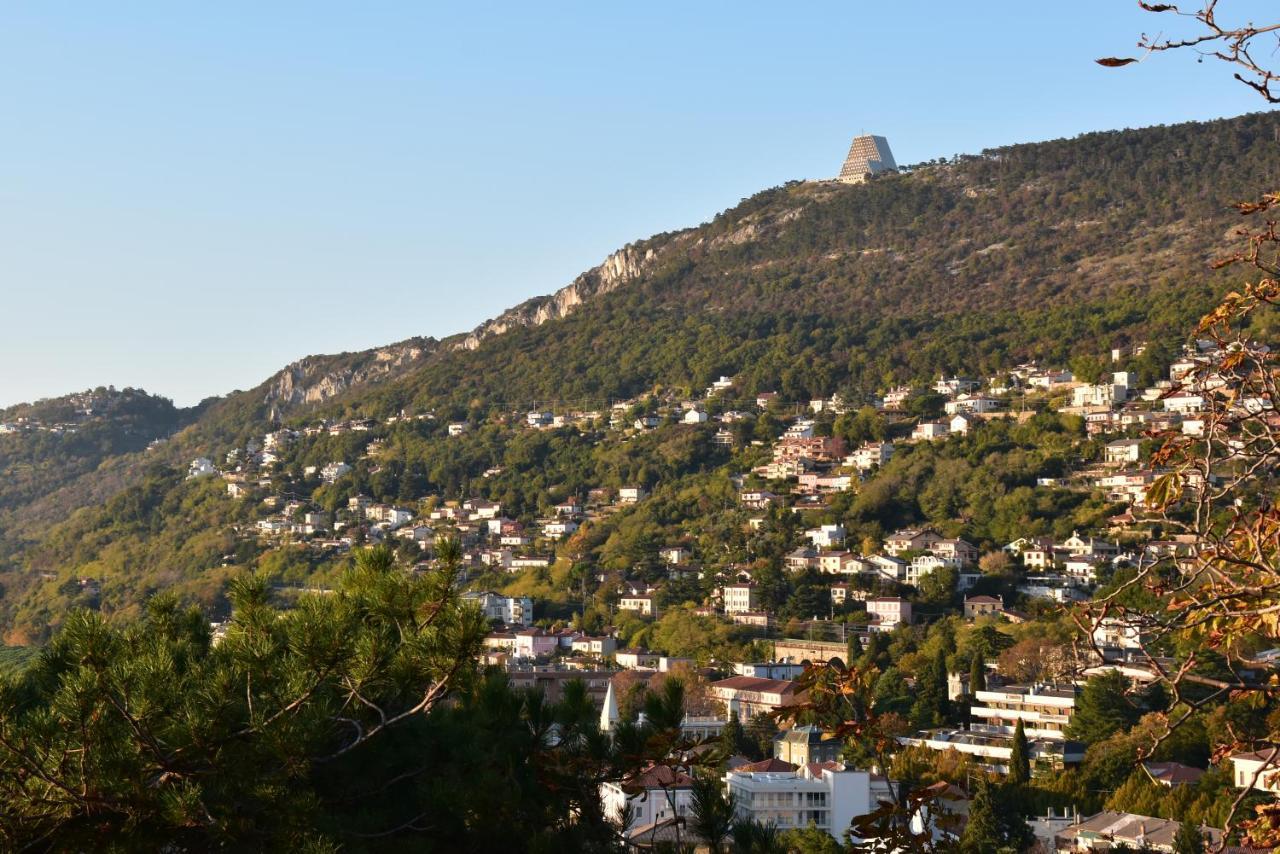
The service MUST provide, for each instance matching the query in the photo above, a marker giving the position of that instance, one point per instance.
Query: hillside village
(888, 508)
(857, 596)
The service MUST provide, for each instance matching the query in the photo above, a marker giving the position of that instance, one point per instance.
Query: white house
(333, 471)
(922, 565)
(887, 566)
(1183, 403)
(1124, 451)
(397, 516)
(826, 536)
(655, 794)
(764, 398)
(975, 403)
(1049, 378)
(1104, 394)
(641, 604)
(960, 424)
(888, 612)
(695, 416)
(631, 494)
(896, 398)
(911, 539)
(722, 384)
(1118, 633)
(516, 610)
(739, 598)
(757, 499)
(954, 385)
(1257, 770)
(674, 555)
(558, 529)
(870, 455)
(959, 552)
(930, 430)
(201, 467)
(1058, 588)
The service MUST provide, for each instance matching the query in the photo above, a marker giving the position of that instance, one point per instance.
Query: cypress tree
(732, 737)
(977, 674)
(1189, 839)
(982, 831)
(854, 651)
(1020, 760)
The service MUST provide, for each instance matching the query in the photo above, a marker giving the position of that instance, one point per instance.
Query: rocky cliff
(623, 266)
(315, 379)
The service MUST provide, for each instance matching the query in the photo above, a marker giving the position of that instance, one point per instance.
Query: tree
(733, 739)
(989, 641)
(853, 650)
(1020, 758)
(982, 834)
(930, 707)
(939, 587)
(1102, 709)
(150, 731)
(809, 840)
(996, 563)
(1189, 839)
(1218, 488)
(753, 837)
(712, 811)
(761, 730)
(977, 674)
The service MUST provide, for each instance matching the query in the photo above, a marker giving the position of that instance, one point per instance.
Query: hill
(1021, 251)
(48, 447)
(1056, 251)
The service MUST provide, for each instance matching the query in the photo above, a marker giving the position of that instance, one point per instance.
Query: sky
(194, 195)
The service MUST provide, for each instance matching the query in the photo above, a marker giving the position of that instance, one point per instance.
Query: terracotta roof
(663, 833)
(768, 765)
(947, 791)
(816, 768)
(1173, 773)
(657, 777)
(755, 683)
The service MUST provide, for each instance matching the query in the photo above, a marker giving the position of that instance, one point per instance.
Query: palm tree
(752, 837)
(712, 812)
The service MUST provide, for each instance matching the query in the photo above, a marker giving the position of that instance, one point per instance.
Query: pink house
(533, 643)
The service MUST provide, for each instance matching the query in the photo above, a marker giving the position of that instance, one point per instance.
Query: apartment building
(1044, 710)
(826, 795)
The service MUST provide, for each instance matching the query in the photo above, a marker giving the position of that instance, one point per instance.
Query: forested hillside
(1055, 251)
(1029, 250)
(48, 446)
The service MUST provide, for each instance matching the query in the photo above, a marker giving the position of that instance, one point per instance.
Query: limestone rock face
(315, 379)
(623, 266)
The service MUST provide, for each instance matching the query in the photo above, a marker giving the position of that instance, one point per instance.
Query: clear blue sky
(193, 195)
